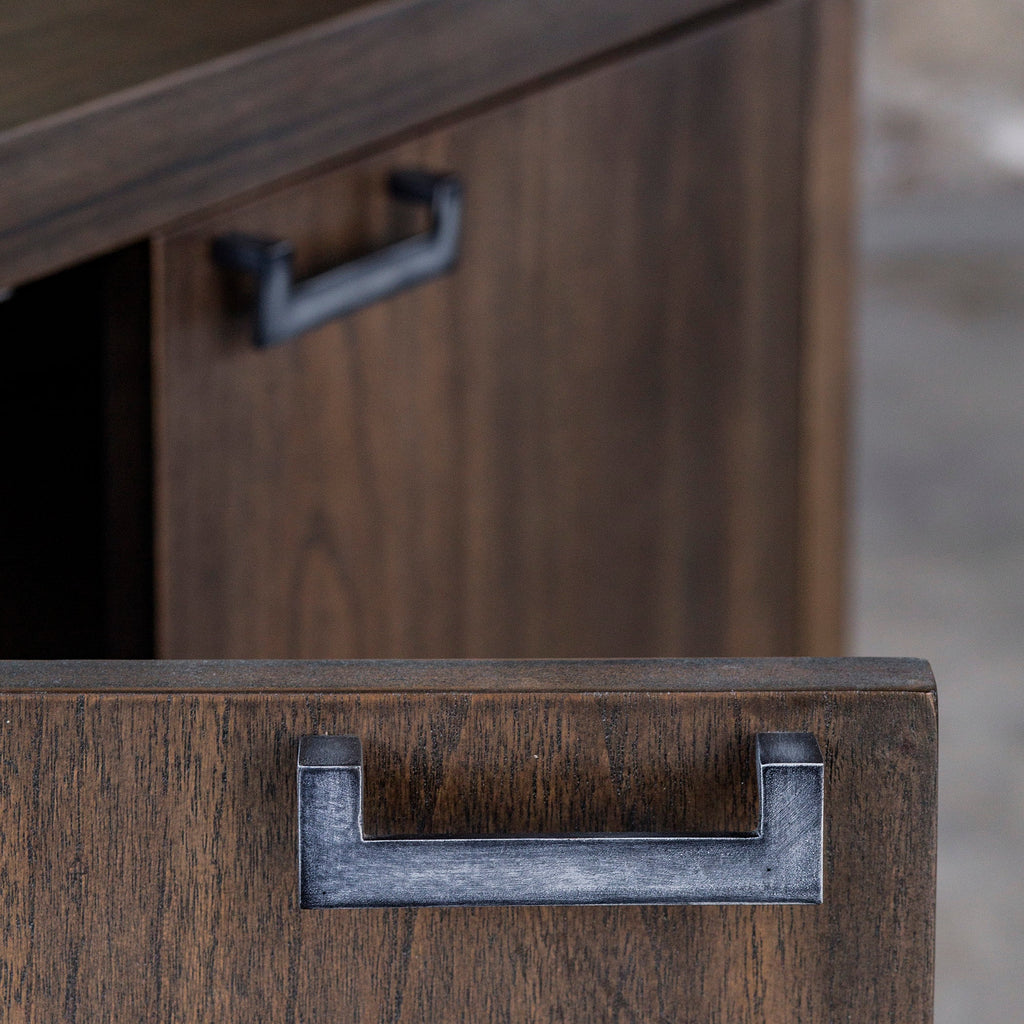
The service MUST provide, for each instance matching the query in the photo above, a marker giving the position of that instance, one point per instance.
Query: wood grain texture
(87, 178)
(148, 858)
(827, 287)
(57, 58)
(584, 442)
(550, 676)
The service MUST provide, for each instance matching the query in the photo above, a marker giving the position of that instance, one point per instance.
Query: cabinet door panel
(581, 442)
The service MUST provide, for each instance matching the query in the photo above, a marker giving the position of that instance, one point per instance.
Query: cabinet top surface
(59, 56)
(120, 116)
(654, 675)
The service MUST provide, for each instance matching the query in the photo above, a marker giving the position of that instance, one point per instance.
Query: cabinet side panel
(826, 282)
(584, 442)
(148, 859)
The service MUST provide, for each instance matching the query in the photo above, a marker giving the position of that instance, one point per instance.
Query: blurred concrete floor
(939, 550)
(938, 543)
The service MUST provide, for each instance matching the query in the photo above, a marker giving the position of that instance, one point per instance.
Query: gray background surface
(938, 541)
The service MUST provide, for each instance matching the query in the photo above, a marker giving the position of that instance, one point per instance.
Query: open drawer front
(151, 822)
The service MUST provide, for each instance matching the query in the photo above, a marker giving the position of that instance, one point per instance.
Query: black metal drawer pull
(286, 308)
(780, 863)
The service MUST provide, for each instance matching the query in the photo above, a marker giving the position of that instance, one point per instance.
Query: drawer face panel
(583, 441)
(148, 858)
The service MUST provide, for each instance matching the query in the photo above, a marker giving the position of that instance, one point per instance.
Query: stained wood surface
(826, 289)
(149, 864)
(551, 676)
(58, 57)
(582, 443)
(118, 115)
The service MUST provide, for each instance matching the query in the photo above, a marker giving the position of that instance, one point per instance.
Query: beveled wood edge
(670, 675)
(111, 171)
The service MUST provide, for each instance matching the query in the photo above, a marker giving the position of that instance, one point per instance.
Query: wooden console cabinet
(615, 429)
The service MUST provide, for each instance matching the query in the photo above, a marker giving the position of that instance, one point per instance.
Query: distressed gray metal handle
(780, 863)
(286, 308)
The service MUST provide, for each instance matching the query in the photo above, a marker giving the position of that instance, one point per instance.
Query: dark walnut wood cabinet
(614, 429)
(148, 852)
